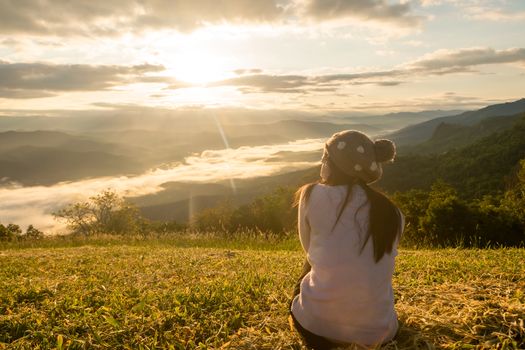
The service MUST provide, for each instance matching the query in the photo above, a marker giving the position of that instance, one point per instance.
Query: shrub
(271, 213)
(441, 218)
(513, 202)
(218, 218)
(413, 205)
(13, 232)
(104, 213)
(447, 221)
(274, 212)
(33, 233)
(10, 232)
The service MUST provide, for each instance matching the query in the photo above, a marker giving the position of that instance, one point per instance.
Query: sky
(366, 56)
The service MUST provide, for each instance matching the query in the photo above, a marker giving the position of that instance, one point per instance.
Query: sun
(199, 67)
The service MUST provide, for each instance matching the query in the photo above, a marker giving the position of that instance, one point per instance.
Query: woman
(349, 232)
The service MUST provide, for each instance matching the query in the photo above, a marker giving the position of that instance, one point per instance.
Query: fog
(34, 205)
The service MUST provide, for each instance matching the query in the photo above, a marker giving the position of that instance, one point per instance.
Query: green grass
(205, 293)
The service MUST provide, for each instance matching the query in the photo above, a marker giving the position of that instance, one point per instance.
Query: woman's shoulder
(313, 193)
(321, 193)
(322, 190)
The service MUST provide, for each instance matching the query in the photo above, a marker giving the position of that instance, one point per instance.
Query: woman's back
(347, 296)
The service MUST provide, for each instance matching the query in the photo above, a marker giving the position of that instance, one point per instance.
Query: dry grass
(161, 296)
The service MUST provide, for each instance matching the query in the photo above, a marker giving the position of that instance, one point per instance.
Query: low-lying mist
(34, 205)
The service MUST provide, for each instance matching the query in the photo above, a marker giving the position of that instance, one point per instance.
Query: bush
(33, 233)
(413, 205)
(10, 232)
(440, 218)
(13, 232)
(447, 222)
(272, 213)
(105, 213)
(513, 202)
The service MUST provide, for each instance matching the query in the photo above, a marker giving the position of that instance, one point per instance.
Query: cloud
(268, 83)
(34, 205)
(444, 101)
(494, 14)
(66, 18)
(465, 60)
(113, 18)
(441, 62)
(367, 10)
(264, 83)
(480, 10)
(248, 71)
(23, 94)
(32, 80)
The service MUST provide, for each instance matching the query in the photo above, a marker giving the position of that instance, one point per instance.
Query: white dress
(346, 297)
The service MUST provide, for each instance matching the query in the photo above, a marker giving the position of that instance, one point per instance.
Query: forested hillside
(483, 167)
(418, 133)
(448, 136)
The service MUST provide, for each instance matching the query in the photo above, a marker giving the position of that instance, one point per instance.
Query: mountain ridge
(421, 132)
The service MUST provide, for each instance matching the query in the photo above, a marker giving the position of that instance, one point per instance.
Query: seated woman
(349, 232)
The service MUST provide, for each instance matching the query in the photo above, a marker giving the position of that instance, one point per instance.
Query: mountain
(11, 140)
(448, 136)
(74, 155)
(45, 165)
(291, 130)
(482, 167)
(421, 132)
(47, 157)
(395, 121)
(137, 118)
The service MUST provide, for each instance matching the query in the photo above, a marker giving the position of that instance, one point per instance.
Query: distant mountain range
(474, 151)
(485, 166)
(393, 121)
(48, 157)
(86, 146)
(447, 136)
(199, 120)
(421, 132)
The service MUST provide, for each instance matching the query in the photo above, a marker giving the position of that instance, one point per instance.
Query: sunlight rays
(227, 146)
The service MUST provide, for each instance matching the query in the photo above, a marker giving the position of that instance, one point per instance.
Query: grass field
(184, 294)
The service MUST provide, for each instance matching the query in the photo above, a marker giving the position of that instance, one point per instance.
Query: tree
(218, 218)
(33, 233)
(513, 201)
(447, 220)
(413, 205)
(10, 232)
(274, 212)
(104, 213)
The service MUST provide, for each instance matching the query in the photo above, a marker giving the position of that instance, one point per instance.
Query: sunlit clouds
(34, 205)
(61, 18)
(254, 53)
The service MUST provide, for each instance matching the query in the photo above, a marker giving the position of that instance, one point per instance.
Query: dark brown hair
(385, 219)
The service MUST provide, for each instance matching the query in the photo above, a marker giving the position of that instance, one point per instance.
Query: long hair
(385, 220)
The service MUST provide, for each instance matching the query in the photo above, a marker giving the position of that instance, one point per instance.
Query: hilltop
(218, 293)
